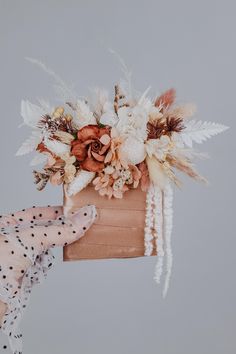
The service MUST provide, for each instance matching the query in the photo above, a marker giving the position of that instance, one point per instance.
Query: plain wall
(115, 306)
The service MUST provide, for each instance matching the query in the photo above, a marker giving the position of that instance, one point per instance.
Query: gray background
(114, 306)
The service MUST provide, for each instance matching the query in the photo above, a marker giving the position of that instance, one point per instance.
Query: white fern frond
(30, 144)
(56, 147)
(82, 179)
(31, 113)
(38, 159)
(198, 131)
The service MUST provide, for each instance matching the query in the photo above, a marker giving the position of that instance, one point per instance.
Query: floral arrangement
(115, 145)
(128, 142)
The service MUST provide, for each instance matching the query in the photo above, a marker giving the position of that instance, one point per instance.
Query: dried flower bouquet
(120, 144)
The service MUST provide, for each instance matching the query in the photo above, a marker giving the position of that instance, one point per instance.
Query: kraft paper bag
(118, 232)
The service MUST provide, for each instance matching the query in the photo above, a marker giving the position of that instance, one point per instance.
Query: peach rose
(91, 147)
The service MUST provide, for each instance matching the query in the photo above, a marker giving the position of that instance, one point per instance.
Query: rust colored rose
(91, 147)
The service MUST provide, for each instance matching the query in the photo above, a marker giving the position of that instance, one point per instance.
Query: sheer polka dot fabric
(26, 240)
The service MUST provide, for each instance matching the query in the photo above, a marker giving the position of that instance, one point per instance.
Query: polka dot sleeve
(26, 239)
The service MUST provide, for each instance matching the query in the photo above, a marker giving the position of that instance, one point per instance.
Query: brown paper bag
(118, 231)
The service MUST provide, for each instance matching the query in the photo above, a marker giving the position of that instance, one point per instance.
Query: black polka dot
(85, 214)
(20, 219)
(32, 235)
(84, 228)
(10, 267)
(6, 241)
(40, 215)
(12, 252)
(59, 233)
(22, 271)
(74, 232)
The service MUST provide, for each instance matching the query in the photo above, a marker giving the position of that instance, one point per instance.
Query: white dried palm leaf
(30, 144)
(82, 179)
(198, 131)
(31, 113)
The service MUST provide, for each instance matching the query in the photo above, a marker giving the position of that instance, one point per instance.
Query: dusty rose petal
(103, 191)
(88, 132)
(80, 151)
(89, 151)
(104, 149)
(109, 192)
(98, 186)
(105, 139)
(102, 131)
(97, 156)
(125, 188)
(91, 165)
(56, 179)
(105, 178)
(105, 184)
(96, 180)
(118, 194)
(108, 157)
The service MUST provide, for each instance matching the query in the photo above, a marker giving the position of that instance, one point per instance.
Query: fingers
(64, 230)
(31, 214)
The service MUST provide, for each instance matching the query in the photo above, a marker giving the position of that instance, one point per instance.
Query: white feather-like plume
(198, 131)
